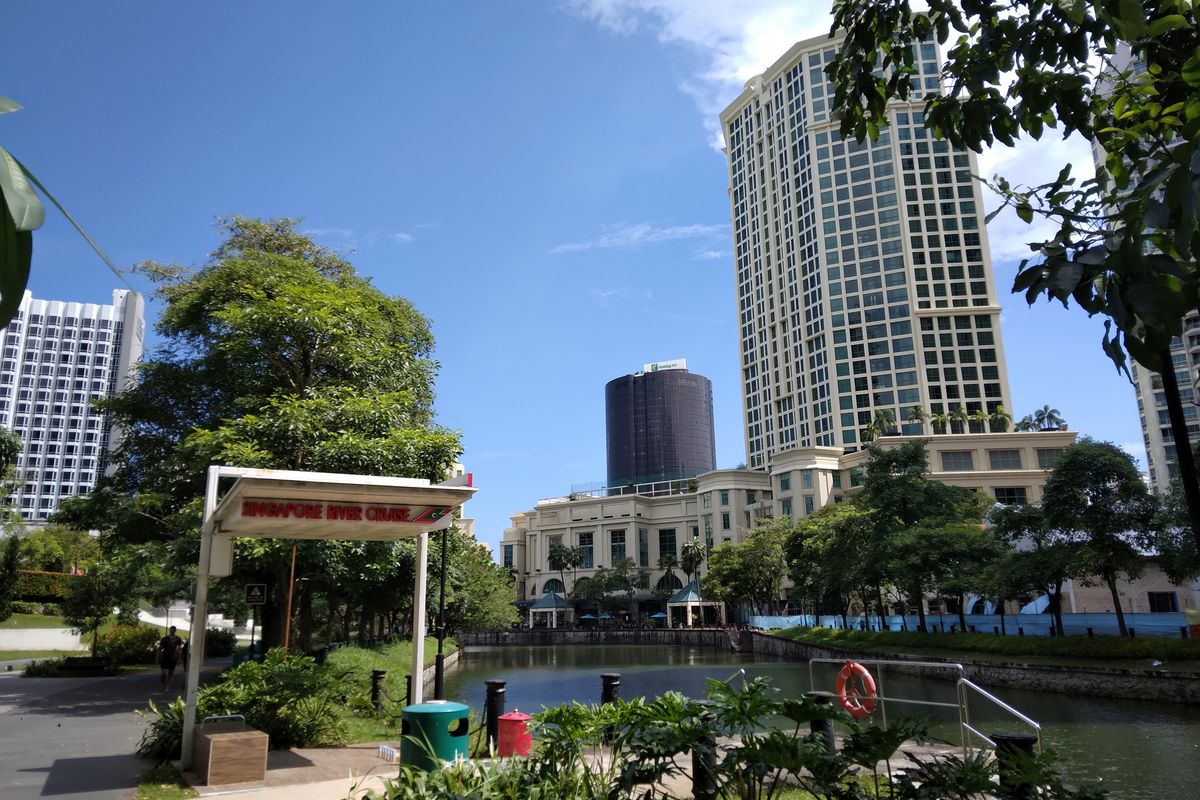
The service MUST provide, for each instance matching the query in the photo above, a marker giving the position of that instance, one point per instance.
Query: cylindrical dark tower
(660, 426)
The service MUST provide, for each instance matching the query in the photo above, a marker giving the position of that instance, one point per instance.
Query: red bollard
(514, 738)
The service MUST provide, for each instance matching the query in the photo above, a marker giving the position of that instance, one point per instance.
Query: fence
(1099, 624)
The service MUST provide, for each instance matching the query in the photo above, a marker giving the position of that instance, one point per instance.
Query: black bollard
(1012, 750)
(1183, 631)
(377, 676)
(1091, 633)
(704, 758)
(610, 687)
(492, 709)
(1020, 631)
(407, 689)
(996, 630)
(822, 726)
(1132, 632)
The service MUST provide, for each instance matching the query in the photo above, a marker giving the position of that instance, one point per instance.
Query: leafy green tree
(999, 419)
(479, 592)
(668, 563)
(1176, 548)
(56, 548)
(92, 600)
(692, 556)
(1095, 494)
(1125, 75)
(825, 556)
(561, 558)
(10, 564)
(752, 570)
(274, 354)
(1045, 556)
(626, 576)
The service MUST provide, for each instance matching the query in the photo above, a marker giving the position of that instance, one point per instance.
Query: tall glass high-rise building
(863, 276)
(659, 425)
(60, 357)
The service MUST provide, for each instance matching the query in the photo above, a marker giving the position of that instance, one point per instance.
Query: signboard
(256, 594)
(301, 510)
(659, 366)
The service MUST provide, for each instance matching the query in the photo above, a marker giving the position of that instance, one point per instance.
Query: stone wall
(714, 638)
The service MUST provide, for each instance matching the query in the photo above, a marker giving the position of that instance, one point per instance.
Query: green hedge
(1102, 648)
(43, 587)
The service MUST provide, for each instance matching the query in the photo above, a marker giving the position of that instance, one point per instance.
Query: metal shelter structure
(284, 504)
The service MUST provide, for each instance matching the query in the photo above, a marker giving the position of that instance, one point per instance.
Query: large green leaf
(8, 105)
(103, 257)
(23, 204)
(16, 254)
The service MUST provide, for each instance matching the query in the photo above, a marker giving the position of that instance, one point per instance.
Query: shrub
(129, 644)
(46, 668)
(219, 642)
(40, 586)
(291, 699)
(25, 607)
(51, 610)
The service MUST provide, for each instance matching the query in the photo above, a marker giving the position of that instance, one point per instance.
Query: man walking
(169, 649)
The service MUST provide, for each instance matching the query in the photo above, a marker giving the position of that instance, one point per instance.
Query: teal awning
(688, 594)
(552, 600)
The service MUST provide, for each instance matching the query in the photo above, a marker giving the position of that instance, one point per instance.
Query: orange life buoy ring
(859, 702)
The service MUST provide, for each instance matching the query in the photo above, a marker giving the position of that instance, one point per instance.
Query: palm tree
(999, 419)
(884, 421)
(980, 418)
(691, 556)
(667, 562)
(958, 419)
(918, 415)
(1026, 424)
(871, 432)
(1047, 418)
(939, 420)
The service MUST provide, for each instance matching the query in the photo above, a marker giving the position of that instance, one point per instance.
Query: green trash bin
(433, 732)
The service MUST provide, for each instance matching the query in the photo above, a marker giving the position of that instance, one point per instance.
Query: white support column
(418, 626)
(199, 618)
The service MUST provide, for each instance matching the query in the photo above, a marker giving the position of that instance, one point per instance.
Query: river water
(1137, 750)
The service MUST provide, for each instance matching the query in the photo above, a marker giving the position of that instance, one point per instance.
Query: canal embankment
(1158, 685)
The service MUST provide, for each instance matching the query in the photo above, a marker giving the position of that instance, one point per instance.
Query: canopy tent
(689, 597)
(550, 604)
(284, 504)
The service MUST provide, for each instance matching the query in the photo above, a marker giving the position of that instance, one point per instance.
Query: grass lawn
(16, 655)
(163, 783)
(1177, 655)
(33, 621)
(396, 658)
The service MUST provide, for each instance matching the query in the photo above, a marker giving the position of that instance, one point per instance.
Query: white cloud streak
(633, 236)
(738, 40)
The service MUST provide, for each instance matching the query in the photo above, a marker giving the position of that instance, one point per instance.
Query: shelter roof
(688, 594)
(552, 600)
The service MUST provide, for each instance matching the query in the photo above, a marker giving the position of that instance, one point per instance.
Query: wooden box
(229, 752)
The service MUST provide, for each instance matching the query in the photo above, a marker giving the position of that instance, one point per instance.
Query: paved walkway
(74, 738)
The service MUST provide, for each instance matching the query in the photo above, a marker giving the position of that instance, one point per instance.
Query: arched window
(553, 585)
(669, 583)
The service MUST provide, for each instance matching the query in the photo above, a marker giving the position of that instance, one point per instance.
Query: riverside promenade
(75, 738)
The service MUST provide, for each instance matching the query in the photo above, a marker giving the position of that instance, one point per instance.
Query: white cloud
(708, 255)
(400, 237)
(329, 233)
(737, 39)
(627, 236)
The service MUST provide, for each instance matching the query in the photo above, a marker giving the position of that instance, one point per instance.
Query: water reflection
(1140, 750)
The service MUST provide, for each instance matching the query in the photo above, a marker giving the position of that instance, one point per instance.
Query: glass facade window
(643, 547)
(617, 547)
(808, 504)
(1046, 456)
(1004, 459)
(808, 479)
(724, 497)
(785, 506)
(958, 461)
(666, 543)
(725, 521)
(508, 556)
(1011, 496)
(785, 481)
(586, 560)
(659, 426)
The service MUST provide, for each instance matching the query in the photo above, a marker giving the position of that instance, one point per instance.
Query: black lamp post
(439, 669)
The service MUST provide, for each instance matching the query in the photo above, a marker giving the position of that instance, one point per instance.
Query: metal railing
(963, 690)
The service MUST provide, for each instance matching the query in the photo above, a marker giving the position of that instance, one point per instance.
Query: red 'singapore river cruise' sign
(304, 510)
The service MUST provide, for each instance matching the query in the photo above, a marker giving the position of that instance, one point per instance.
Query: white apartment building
(863, 276)
(59, 357)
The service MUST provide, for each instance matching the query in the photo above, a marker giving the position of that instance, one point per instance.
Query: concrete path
(75, 738)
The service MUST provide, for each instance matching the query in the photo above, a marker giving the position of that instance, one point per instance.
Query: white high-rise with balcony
(59, 357)
(863, 276)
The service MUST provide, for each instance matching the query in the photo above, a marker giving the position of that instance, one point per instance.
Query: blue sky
(539, 178)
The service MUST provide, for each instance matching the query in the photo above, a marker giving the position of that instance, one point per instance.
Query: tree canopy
(274, 354)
